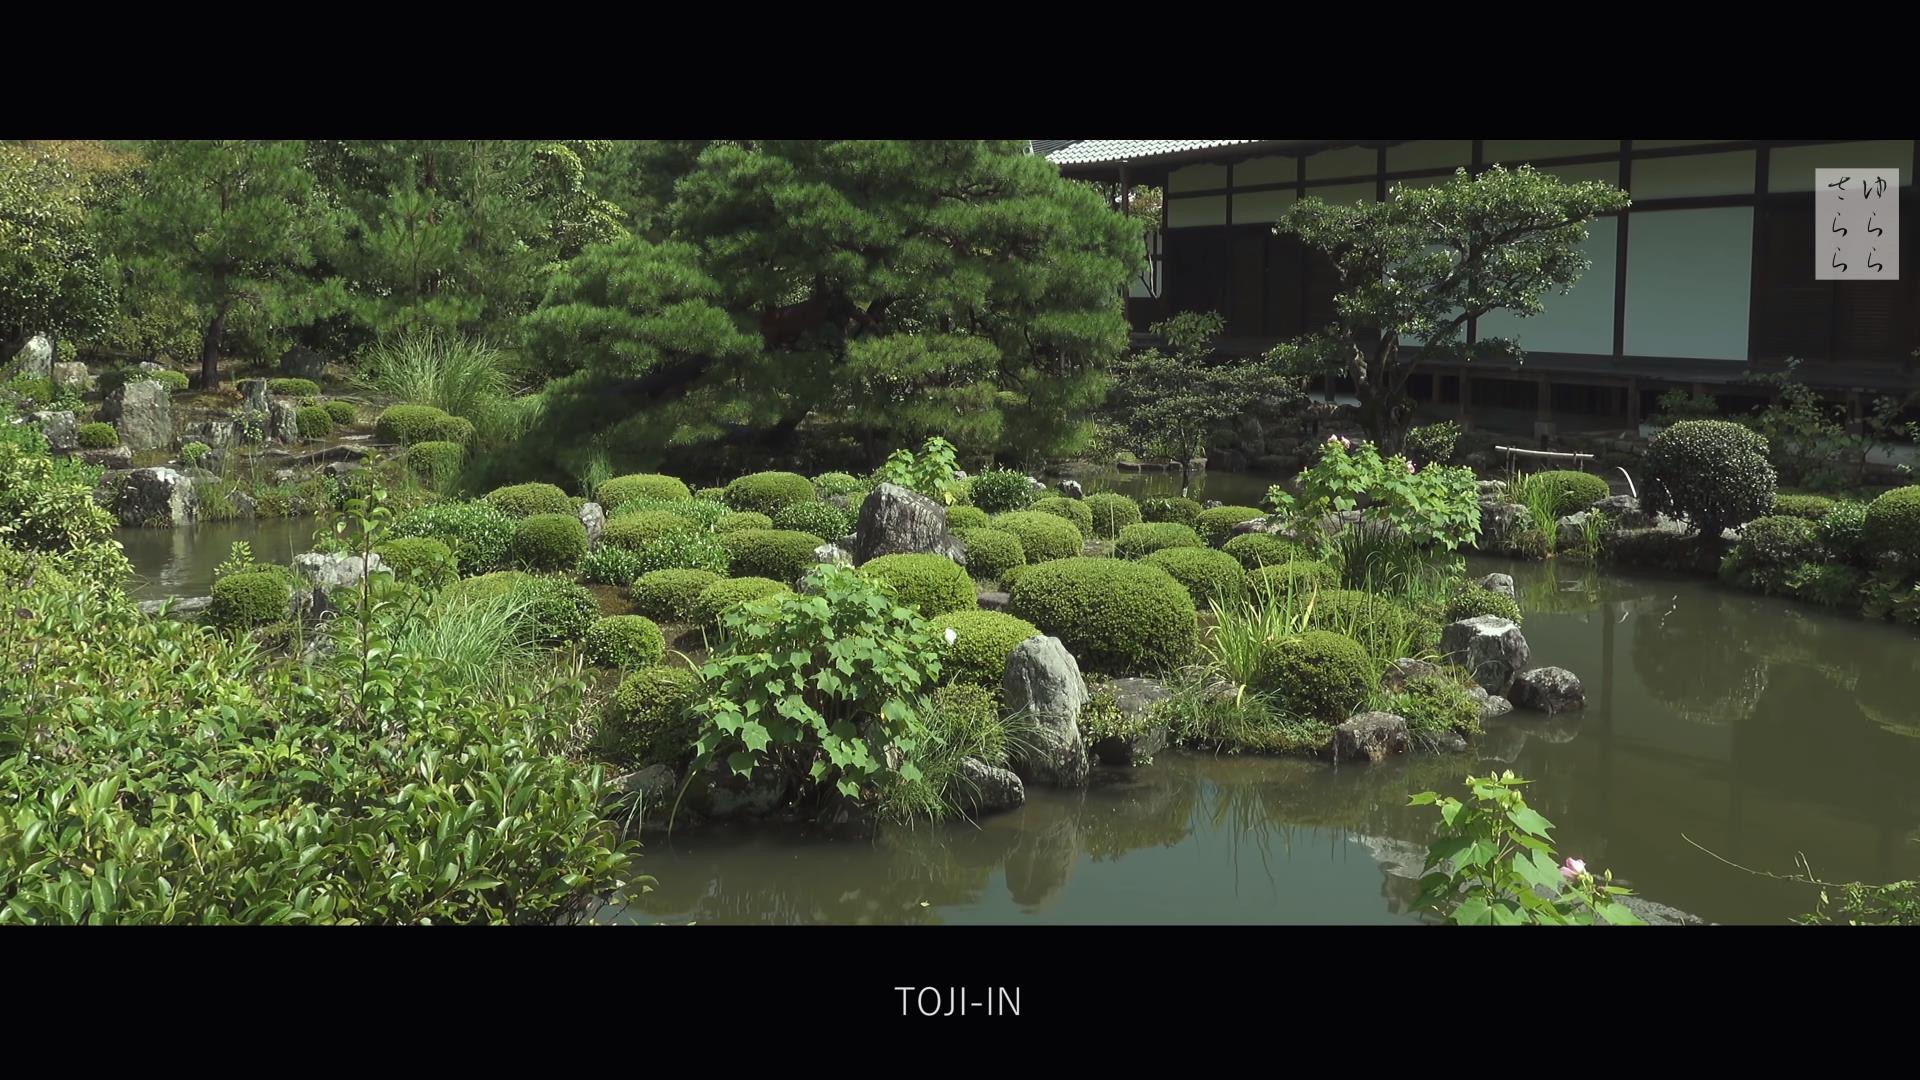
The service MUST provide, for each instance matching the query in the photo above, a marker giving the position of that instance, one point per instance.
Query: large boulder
(214, 434)
(253, 395)
(1491, 705)
(1548, 690)
(72, 376)
(61, 430)
(1623, 512)
(107, 457)
(832, 555)
(158, 497)
(1571, 530)
(321, 574)
(283, 421)
(896, 521)
(992, 600)
(144, 414)
(301, 362)
(1139, 736)
(34, 360)
(1499, 520)
(1499, 583)
(1491, 648)
(1043, 680)
(985, 789)
(594, 517)
(1370, 736)
(718, 793)
(1403, 671)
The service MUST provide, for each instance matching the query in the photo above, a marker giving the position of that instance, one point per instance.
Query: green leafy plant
(192, 454)
(997, 491)
(1432, 444)
(1494, 865)
(609, 565)
(666, 595)
(1713, 473)
(479, 533)
(931, 472)
(98, 436)
(1435, 506)
(1681, 403)
(1042, 536)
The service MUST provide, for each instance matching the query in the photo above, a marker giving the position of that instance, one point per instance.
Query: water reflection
(180, 562)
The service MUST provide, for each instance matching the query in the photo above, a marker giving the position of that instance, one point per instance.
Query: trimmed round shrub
(684, 551)
(409, 424)
(1386, 624)
(1472, 601)
(1215, 526)
(1712, 472)
(1042, 536)
(711, 494)
(1074, 510)
(554, 609)
(930, 584)
(700, 513)
(624, 641)
(1114, 616)
(1140, 541)
(839, 483)
(982, 640)
(1111, 513)
(174, 381)
(1893, 523)
(436, 462)
(715, 600)
(966, 517)
(99, 436)
(738, 520)
(997, 491)
(1769, 548)
(991, 552)
(1810, 507)
(524, 500)
(342, 412)
(780, 554)
(293, 387)
(1010, 575)
(1318, 674)
(1572, 491)
(768, 492)
(1177, 510)
(250, 598)
(609, 565)
(1255, 550)
(421, 561)
(668, 595)
(650, 719)
(549, 542)
(1844, 530)
(617, 492)
(1206, 573)
(824, 520)
(1295, 577)
(635, 530)
(479, 533)
(454, 429)
(315, 422)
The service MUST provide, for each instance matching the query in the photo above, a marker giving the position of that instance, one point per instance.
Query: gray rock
(1403, 671)
(896, 521)
(1570, 531)
(719, 794)
(1623, 512)
(143, 413)
(595, 519)
(1549, 690)
(1490, 488)
(1499, 520)
(1499, 583)
(1447, 742)
(300, 362)
(61, 430)
(253, 395)
(150, 367)
(985, 789)
(216, 434)
(34, 360)
(1491, 705)
(1043, 680)
(111, 457)
(993, 601)
(654, 786)
(1072, 489)
(1036, 483)
(1491, 648)
(72, 376)
(176, 607)
(1370, 736)
(832, 555)
(283, 421)
(323, 573)
(157, 497)
(1140, 737)
(245, 504)
(1214, 504)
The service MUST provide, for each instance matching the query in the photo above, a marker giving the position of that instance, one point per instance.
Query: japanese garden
(824, 532)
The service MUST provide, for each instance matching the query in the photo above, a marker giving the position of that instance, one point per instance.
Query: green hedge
(624, 641)
(1177, 510)
(342, 413)
(479, 533)
(669, 595)
(609, 565)
(1113, 615)
(525, 500)
(650, 719)
(1139, 541)
(615, 493)
(1318, 674)
(1255, 550)
(1297, 577)
(715, 599)
(1893, 523)
(1811, 507)
(421, 561)
(740, 520)
(99, 436)
(780, 554)
(409, 424)
(293, 387)
(1714, 473)
(436, 462)
(824, 520)
(250, 598)
(1043, 536)
(634, 530)
(966, 517)
(683, 551)
(549, 542)
(1111, 513)
(1471, 601)
(1572, 491)
(1074, 510)
(1206, 573)
(768, 492)
(1215, 526)
(554, 609)
(997, 491)
(930, 584)
(991, 552)
(315, 422)
(982, 641)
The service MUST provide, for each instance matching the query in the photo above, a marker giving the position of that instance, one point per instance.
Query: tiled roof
(1095, 151)
(1048, 146)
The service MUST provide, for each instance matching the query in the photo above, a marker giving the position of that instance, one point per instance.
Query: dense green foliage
(1296, 576)
(1113, 615)
(54, 276)
(300, 388)
(1111, 513)
(715, 600)
(623, 641)
(1215, 526)
(1435, 706)
(342, 412)
(1178, 510)
(1713, 473)
(636, 529)
(683, 551)
(1571, 492)
(982, 640)
(1810, 507)
(650, 718)
(930, 584)
(742, 519)
(1893, 523)
(98, 436)
(250, 599)
(408, 424)
(997, 491)
(524, 500)
(478, 532)
(315, 422)
(549, 610)
(1472, 601)
(669, 595)
(614, 493)
(1255, 550)
(1319, 674)
(1074, 510)
(1206, 573)
(1042, 536)
(436, 463)
(1139, 541)
(780, 554)
(421, 561)
(544, 542)
(824, 520)
(991, 552)
(966, 517)
(768, 492)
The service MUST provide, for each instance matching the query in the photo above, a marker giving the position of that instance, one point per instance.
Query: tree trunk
(210, 349)
(1186, 478)
(1385, 410)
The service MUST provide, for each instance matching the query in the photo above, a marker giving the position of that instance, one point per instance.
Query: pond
(1755, 728)
(1232, 489)
(180, 562)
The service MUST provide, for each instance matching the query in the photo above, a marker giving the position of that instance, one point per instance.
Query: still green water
(180, 562)
(1757, 728)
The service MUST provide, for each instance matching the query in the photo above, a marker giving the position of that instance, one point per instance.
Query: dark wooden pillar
(1543, 400)
(1633, 404)
(1466, 401)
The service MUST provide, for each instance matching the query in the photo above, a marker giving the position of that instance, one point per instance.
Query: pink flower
(1573, 868)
